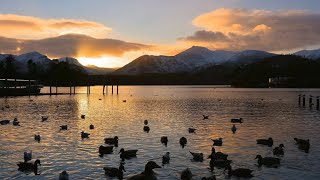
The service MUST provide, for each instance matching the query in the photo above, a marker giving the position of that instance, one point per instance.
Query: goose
(115, 172)
(268, 142)
(268, 161)
(278, 150)
(197, 156)
(127, 154)
(237, 120)
(4, 122)
(27, 156)
(37, 137)
(217, 142)
(209, 178)
(44, 118)
(83, 116)
(192, 130)
(147, 173)
(166, 158)
(15, 122)
(183, 141)
(234, 129)
(186, 174)
(164, 140)
(303, 144)
(239, 172)
(205, 117)
(91, 126)
(146, 128)
(105, 149)
(84, 135)
(25, 166)
(64, 175)
(112, 141)
(145, 122)
(64, 127)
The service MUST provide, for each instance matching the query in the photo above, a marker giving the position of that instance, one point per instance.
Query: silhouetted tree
(10, 69)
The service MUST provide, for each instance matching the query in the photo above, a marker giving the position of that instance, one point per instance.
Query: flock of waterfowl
(217, 159)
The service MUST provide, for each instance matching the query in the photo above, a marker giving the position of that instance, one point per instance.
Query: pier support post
(299, 99)
(117, 89)
(112, 89)
(50, 88)
(104, 86)
(303, 100)
(310, 101)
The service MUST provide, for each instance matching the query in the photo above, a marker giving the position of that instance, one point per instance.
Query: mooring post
(103, 88)
(310, 101)
(74, 88)
(112, 89)
(117, 89)
(50, 87)
(303, 100)
(299, 99)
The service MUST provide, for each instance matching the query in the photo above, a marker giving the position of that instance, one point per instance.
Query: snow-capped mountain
(70, 60)
(310, 54)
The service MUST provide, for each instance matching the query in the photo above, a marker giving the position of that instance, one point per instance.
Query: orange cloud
(28, 27)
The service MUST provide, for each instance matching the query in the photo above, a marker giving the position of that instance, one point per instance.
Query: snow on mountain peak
(311, 54)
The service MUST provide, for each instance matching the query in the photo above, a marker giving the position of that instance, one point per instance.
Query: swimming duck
(115, 172)
(83, 116)
(236, 120)
(146, 129)
(127, 154)
(113, 141)
(218, 155)
(37, 137)
(234, 129)
(4, 122)
(303, 144)
(217, 142)
(15, 122)
(105, 149)
(145, 122)
(164, 140)
(148, 173)
(91, 126)
(268, 142)
(84, 135)
(268, 161)
(278, 150)
(64, 175)
(25, 166)
(64, 127)
(239, 172)
(186, 174)
(166, 158)
(220, 163)
(183, 141)
(44, 118)
(205, 117)
(27, 156)
(192, 130)
(197, 156)
(209, 178)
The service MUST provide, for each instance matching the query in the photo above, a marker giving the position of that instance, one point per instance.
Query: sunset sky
(111, 33)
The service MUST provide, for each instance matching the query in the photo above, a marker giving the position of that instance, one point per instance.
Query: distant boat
(19, 87)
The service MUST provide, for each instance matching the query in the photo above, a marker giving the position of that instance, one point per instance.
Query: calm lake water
(171, 110)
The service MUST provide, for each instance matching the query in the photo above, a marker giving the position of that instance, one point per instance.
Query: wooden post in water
(303, 100)
(310, 101)
(117, 89)
(50, 87)
(74, 88)
(299, 99)
(112, 88)
(103, 88)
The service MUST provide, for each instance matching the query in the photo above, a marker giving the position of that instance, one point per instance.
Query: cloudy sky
(111, 33)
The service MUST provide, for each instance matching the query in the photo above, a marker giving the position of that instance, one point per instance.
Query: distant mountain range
(310, 54)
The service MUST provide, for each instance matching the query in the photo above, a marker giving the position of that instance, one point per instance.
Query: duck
(197, 156)
(166, 158)
(186, 174)
(64, 175)
(183, 141)
(164, 140)
(234, 129)
(278, 150)
(4, 122)
(268, 142)
(268, 161)
(37, 137)
(15, 122)
(239, 172)
(217, 142)
(112, 141)
(148, 173)
(303, 144)
(44, 118)
(105, 149)
(218, 155)
(209, 178)
(146, 128)
(91, 126)
(27, 156)
(64, 127)
(127, 154)
(145, 122)
(192, 130)
(205, 117)
(221, 163)
(83, 116)
(84, 135)
(237, 120)
(25, 166)
(115, 172)
(124, 100)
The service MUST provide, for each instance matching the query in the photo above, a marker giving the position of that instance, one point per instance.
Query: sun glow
(108, 62)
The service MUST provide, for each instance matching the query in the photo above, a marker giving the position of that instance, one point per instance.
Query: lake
(170, 110)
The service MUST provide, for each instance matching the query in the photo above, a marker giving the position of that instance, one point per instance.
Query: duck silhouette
(148, 173)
